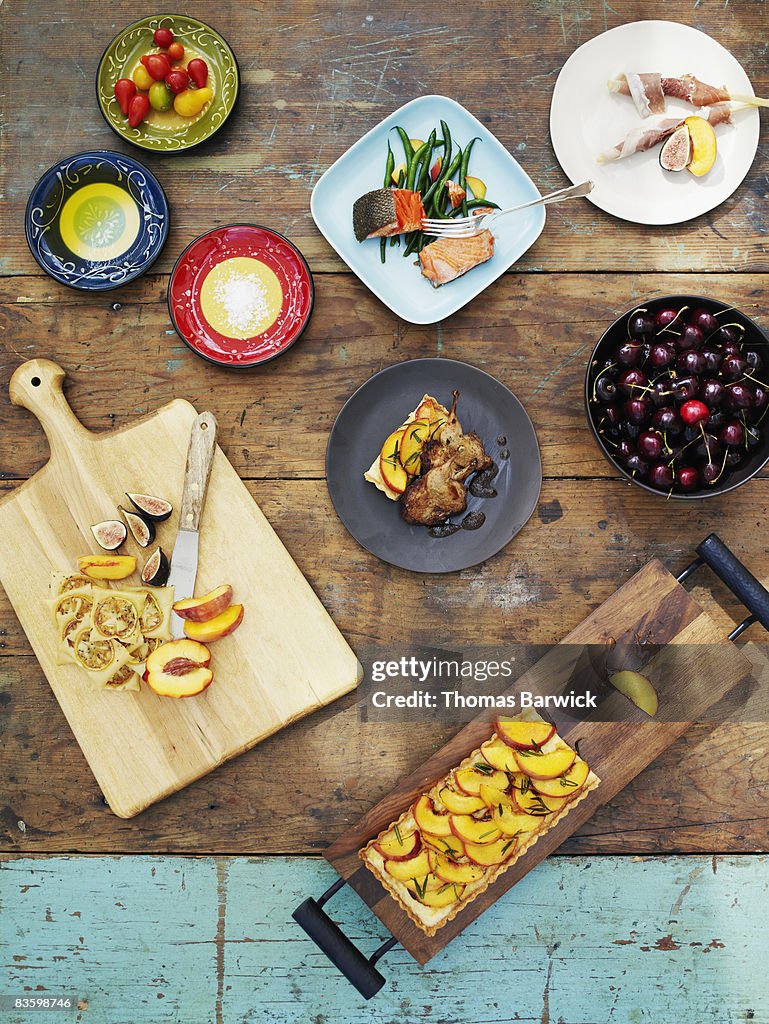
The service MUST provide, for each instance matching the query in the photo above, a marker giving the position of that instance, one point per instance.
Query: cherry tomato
(161, 97)
(138, 109)
(198, 72)
(142, 78)
(125, 89)
(157, 64)
(163, 37)
(175, 51)
(177, 80)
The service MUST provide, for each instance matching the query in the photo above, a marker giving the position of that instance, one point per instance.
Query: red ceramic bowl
(240, 295)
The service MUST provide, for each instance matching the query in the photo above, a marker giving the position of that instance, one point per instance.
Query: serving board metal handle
(329, 937)
(37, 385)
(742, 583)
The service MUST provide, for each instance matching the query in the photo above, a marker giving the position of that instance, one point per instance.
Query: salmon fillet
(445, 259)
(387, 211)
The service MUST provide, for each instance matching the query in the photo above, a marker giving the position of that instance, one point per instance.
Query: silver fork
(466, 227)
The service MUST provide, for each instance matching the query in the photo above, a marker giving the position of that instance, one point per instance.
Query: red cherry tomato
(177, 80)
(157, 64)
(175, 51)
(138, 109)
(163, 37)
(125, 89)
(198, 72)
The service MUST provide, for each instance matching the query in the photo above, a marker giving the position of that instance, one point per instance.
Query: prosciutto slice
(648, 91)
(654, 129)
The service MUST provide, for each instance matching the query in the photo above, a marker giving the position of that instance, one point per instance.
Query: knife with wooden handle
(184, 561)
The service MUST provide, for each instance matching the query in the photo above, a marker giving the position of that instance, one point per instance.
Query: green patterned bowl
(167, 132)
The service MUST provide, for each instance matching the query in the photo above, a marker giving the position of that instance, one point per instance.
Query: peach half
(201, 609)
(179, 668)
(214, 629)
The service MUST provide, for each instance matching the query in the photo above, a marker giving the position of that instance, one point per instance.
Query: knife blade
(184, 560)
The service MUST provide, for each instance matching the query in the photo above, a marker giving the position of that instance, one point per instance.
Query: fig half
(150, 507)
(677, 150)
(143, 530)
(110, 534)
(156, 569)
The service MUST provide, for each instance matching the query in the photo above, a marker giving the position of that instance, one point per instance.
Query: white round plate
(585, 119)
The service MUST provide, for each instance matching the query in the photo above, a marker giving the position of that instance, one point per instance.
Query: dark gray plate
(486, 407)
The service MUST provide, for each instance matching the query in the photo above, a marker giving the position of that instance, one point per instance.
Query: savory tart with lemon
(461, 834)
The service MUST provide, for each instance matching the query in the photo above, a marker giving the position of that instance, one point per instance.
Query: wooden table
(98, 899)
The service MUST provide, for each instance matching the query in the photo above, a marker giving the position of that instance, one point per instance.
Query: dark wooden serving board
(652, 605)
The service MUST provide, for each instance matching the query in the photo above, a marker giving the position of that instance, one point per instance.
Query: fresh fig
(677, 150)
(143, 530)
(149, 507)
(156, 569)
(110, 534)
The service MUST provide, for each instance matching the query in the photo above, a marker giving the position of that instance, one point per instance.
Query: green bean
(382, 249)
(408, 149)
(389, 167)
(446, 143)
(434, 193)
(463, 171)
(415, 243)
(423, 177)
(473, 204)
(414, 164)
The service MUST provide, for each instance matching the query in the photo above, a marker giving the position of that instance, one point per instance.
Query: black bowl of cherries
(677, 396)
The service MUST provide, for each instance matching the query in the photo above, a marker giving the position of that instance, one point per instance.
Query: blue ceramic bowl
(96, 220)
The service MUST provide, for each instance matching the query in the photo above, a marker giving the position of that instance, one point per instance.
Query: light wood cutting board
(286, 659)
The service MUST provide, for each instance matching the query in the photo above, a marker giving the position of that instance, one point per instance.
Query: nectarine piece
(547, 765)
(636, 688)
(448, 846)
(427, 819)
(499, 755)
(393, 473)
(410, 451)
(565, 785)
(398, 845)
(201, 609)
(450, 893)
(107, 567)
(414, 867)
(429, 883)
(511, 821)
(470, 779)
(523, 735)
(179, 668)
(451, 872)
(459, 803)
(214, 629)
(489, 854)
(471, 830)
(529, 801)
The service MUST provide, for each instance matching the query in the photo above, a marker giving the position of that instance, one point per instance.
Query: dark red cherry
(738, 395)
(650, 444)
(733, 367)
(760, 397)
(637, 466)
(753, 359)
(691, 362)
(712, 359)
(687, 478)
(632, 381)
(707, 449)
(752, 436)
(694, 411)
(731, 348)
(610, 415)
(661, 476)
(624, 449)
(630, 354)
(733, 457)
(667, 419)
(710, 473)
(637, 410)
(685, 388)
(712, 393)
(661, 392)
(661, 354)
(641, 326)
(665, 317)
(729, 333)
(691, 337)
(732, 434)
(606, 389)
(703, 319)
(715, 421)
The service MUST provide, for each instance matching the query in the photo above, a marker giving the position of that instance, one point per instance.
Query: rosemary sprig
(483, 768)
(397, 831)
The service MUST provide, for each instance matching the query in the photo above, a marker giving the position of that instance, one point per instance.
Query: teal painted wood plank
(203, 941)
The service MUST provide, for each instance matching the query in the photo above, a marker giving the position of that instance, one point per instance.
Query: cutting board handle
(37, 385)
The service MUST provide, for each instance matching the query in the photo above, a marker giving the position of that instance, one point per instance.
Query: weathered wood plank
(317, 76)
(148, 939)
(534, 333)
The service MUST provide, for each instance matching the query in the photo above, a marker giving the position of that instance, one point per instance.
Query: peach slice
(499, 755)
(472, 778)
(451, 872)
(548, 765)
(493, 797)
(471, 830)
(429, 883)
(451, 893)
(179, 668)
(529, 801)
(414, 867)
(107, 567)
(523, 735)
(201, 609)
(400, 169)
(410, 451)
(476, 186)
(448, 846)
(636, 688)
(393, 473)
(397, 845)
(427, 819)
(511, 822)
(704, 146)
(491, 853)
(460, 803)
(565, 785)
(214, 629)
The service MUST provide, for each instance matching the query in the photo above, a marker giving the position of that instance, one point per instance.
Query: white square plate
(398, 283)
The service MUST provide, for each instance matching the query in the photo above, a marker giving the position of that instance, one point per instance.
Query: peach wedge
(471, 830)
(491, 853)
(107, 567)
(460, 803)
(427, 819)
(201, 609)
(414, 867)
(564, 785)
(546, 765)
(471, 779)
(443, 897)
(397, 845)
(523, 735)
(451, 872)
(214, 629)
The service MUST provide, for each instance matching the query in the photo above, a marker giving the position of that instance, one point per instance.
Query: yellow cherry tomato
(190, 102)
(141, 77)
